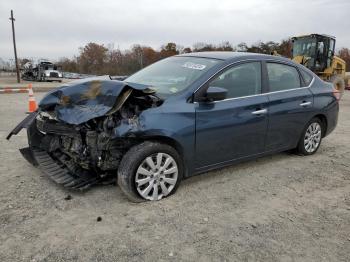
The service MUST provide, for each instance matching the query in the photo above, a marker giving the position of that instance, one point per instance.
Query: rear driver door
(290, 106)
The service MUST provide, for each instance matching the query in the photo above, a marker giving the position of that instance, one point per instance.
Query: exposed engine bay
(86, 129)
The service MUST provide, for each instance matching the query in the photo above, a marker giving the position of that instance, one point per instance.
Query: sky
(56, 29)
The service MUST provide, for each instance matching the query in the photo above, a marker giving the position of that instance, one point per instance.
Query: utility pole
(14, 46)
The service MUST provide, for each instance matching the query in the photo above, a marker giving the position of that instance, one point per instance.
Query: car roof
(223, 55)
(235, 56)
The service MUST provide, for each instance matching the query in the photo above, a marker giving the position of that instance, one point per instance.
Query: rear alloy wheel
(311, 138)
(150, 171)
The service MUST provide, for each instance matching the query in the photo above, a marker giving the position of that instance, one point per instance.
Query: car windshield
(172, 75)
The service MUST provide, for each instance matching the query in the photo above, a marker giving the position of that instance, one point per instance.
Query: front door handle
(260, 112)
(305, 103)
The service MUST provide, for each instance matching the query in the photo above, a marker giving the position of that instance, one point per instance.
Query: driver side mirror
(215, 94)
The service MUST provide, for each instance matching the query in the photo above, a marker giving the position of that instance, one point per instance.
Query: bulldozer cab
(314, 51)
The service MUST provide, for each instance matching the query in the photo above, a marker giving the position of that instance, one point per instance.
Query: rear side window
(306, 76)
(282, 77)
(240, 80)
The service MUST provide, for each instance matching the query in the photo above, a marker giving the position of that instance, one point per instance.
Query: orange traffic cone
(32, 103)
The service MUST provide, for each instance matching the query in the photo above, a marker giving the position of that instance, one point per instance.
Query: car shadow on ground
(231, 169)
(192, 181)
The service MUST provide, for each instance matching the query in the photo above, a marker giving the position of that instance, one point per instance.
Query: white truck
(42, 71)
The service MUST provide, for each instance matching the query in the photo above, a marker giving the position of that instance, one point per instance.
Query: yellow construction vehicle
(316, 52)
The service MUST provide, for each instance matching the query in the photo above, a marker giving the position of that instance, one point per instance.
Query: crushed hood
(83, 100)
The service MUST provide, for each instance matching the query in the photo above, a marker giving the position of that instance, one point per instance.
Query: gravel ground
(277, 208)
(11, 82)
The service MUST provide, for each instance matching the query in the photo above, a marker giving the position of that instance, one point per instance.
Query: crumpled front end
(75, 136)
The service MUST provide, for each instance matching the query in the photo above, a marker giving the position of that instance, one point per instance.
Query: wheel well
(176, 145)
(169, 141)
(324, 123)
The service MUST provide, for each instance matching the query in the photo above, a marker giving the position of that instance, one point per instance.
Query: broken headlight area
(90, 146)
(84, 154)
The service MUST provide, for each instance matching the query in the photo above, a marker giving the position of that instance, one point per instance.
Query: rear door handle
(305, 103)
(260, 112)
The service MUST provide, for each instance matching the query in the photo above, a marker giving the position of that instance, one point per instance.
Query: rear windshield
(172, 75)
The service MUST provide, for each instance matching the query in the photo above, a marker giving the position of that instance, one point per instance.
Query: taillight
(336, 94)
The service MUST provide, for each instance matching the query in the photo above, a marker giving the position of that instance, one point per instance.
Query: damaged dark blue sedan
(181, 116)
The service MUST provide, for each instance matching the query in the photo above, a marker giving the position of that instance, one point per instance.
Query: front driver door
(235, 127)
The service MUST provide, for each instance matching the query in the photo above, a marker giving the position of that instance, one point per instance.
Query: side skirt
(236, 161)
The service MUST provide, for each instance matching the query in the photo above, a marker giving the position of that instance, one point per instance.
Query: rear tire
(338, 83)
(160, 178)
(311, 137)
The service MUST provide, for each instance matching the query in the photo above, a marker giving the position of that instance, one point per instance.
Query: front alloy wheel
(156, 176)
(150, 171)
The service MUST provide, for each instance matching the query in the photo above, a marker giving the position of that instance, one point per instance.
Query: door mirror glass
(216, 93)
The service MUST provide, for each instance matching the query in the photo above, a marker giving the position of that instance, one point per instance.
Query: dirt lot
(278, 208)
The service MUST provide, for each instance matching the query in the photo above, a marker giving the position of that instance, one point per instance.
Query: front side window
(282, 77)
(240, 80)
(174, 74)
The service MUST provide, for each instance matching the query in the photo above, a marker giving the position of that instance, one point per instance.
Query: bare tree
(344, 53)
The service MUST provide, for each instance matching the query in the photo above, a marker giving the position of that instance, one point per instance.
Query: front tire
(311, 137)
(150, 171)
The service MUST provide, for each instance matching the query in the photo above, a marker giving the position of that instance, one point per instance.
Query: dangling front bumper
(42, 160)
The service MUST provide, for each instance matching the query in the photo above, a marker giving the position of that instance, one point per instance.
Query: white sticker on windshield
(194, 66)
